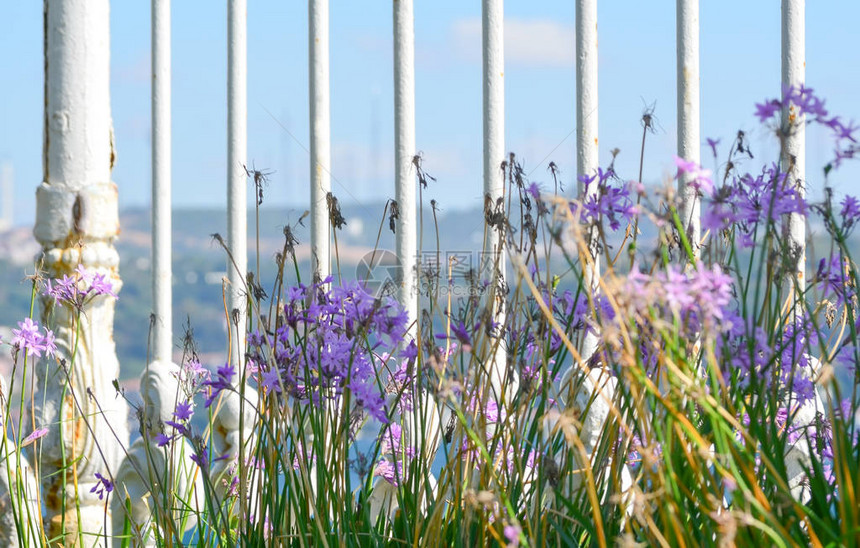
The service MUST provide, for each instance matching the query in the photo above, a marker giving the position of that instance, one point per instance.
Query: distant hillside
(199, 265)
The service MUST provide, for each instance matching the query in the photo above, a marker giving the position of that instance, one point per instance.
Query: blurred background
(740, 65)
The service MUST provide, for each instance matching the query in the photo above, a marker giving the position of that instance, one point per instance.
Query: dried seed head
(550, 471)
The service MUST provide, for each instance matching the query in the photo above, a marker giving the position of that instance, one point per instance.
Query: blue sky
(740, 64)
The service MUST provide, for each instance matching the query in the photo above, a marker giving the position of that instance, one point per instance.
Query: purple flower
(677, 293)
(74, 290)
(180, 427)
(328, 346)
(610, 201)
(49, 343)
(796, 371)
(534, 192)
(767, 110)
(27, 335)
(191, 377)
(459, 330)
(396, 458)
(747, 201)
(222, 382)
(835, 278)
(701, 296)
(368, 397)
(410, 353)
(200, 458)
(35, 435)
(812, 107)
(269, 380)
(845, 357)
(696, 177)
(806, 101)
(389, 471)
(183, 411)
(28, 338)
(255, 338)
(512, 535)
(392, 442)
(850, 212)
(103, 487)
(63, 289)
(713, 144)
(301, 453)
(100, 285)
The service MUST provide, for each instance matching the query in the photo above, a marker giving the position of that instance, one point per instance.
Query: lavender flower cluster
(746, 203)
(326, 344)
(29, 338)
(75, 290)
(604, 198)
(700, 298)
(801, 101)
(84, 285)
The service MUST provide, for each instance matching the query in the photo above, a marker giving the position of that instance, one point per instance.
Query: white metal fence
(74, 118)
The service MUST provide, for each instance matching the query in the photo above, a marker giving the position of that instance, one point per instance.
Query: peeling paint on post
(404, 151)
(76, 224)
(689, 144)
(586, 127)
(320, 118)
(794, 128)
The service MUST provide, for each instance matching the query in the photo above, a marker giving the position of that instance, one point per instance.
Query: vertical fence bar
(237, 149)
(494, 97)
(586, 128)
(320, 118)
(493, 259)
(687, 47)
(162, 291)
(404, 150)
(793, 124)
(77, 222)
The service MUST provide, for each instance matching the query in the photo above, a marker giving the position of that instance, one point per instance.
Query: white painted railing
(237, 150)
(76, 201)
(320, 117)
(794, 147)
(404, 152)
(162, 272)
(76, 223)
(689, 140)
(493, 269)
(587, 159)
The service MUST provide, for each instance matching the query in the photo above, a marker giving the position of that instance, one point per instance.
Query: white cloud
(530, 42)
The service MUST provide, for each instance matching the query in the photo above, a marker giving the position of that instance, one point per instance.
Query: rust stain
(52, 499)
(77, 214)
(112, 150)
(55, 528)
(80, 428)
(595, 141)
